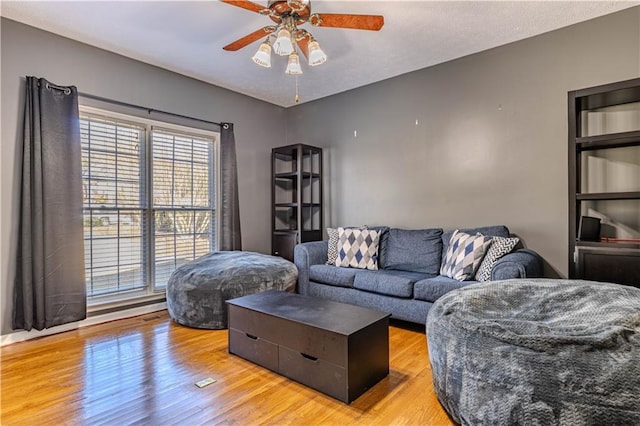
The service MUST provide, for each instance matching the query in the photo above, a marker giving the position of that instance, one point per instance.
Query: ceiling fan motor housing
(298, 10)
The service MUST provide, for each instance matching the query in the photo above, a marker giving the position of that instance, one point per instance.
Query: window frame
(151, 291)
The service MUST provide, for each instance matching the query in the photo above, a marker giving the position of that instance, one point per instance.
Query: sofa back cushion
(487, 231)
(415, 250)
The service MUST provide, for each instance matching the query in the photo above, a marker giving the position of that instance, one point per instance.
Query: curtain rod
(149, 110)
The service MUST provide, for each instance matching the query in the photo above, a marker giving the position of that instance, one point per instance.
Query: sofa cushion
(358, 248)
(416, 250)
(332, 275)
(391, 283)
(464, 255)
(380, 229)
(499, 247)
(490, 231)
(431, 289)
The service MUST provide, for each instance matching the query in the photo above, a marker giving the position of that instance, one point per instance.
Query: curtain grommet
(65, 90)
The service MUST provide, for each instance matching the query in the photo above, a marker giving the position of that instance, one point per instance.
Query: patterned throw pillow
(499, 247)
(464, 255)
(358, 248)
(332, 246)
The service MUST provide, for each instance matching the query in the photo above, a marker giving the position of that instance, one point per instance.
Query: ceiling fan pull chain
(297, 98)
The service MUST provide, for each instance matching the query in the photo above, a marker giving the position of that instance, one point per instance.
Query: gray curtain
(230, 236)
(50, 283)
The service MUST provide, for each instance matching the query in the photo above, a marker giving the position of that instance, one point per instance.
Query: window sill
(105, 307)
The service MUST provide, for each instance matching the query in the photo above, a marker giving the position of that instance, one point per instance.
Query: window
(182, 198)
(149, 202)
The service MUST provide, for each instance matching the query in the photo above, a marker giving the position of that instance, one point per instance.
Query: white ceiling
(187, 37)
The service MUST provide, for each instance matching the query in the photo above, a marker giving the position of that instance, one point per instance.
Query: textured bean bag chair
(537, 352)
(197, 291)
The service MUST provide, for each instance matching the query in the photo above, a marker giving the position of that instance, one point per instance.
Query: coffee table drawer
(254, 349)
(314, 372)
(311, 340)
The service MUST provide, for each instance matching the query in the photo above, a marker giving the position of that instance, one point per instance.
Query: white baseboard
(21, 336)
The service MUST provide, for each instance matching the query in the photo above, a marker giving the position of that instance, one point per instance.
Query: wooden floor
(143, 370)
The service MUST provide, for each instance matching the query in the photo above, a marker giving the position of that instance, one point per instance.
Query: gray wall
(489, 146)
(477, 141)
(259, 126)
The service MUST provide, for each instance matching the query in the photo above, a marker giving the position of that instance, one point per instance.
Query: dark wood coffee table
(338, 349)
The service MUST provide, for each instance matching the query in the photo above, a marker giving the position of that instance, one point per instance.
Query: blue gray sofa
(407, 281)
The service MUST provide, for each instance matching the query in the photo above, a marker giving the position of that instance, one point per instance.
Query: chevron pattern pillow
(499, 247)
(464, 255)
(332, 246)
(358, 248)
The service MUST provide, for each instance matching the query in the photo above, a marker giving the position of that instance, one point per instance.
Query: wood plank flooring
(143, 371)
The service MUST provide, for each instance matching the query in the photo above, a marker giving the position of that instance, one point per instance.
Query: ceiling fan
(288, 15)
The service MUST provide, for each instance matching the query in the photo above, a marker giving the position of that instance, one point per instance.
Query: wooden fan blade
(339, 20)
(245, 4)
(248, 39)
(303, 44)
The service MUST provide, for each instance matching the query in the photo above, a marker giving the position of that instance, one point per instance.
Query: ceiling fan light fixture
(293, 66)
(283, 45)
(316, 54)
(263, 55)
(288, 38)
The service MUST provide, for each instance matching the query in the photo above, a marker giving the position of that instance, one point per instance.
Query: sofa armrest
(523, 263)
(305, 255)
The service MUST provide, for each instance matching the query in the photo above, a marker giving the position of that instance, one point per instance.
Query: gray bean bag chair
(537, 352)
(197, 291)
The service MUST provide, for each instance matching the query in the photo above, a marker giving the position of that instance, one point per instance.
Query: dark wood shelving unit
(611, 244)
(604, 181)
(614, 140)
(609, 196)
(296, 197)
(287, 175)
